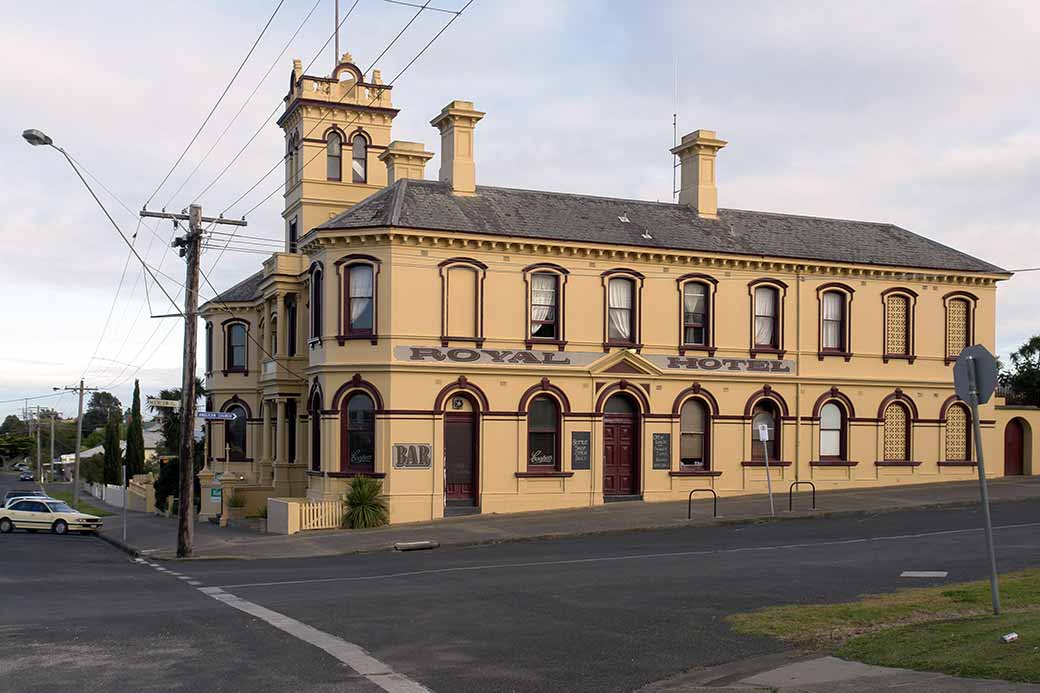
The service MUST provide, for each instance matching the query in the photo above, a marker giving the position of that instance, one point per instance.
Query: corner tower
(335, 129)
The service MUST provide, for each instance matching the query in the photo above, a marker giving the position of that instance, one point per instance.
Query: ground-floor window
(958, 448)
(359, 434)
(235, 433)
(543, 434)
(897, 432)
(832, 432)
(693, 451)
(765, 414)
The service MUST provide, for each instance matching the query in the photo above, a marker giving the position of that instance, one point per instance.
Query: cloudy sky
(924, 114)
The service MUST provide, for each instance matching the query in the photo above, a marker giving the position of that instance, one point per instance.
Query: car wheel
(60, 527)
(6, 526)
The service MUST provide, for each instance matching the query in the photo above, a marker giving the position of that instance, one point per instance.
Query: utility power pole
(52, 444)
(190, 245)
(79, 437)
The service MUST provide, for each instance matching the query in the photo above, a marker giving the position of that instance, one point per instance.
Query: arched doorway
(1014, 448)
(620, 448)
(461, 456)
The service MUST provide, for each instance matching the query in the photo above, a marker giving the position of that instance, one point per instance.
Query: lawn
(84, 507)
(948, 629)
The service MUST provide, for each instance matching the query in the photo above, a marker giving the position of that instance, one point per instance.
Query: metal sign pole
(763, 435)
(994, 586)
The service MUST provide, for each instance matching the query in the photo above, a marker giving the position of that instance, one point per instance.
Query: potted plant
(366, 506)
(236, 507)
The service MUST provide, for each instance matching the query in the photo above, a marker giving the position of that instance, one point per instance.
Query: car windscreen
(60, 507)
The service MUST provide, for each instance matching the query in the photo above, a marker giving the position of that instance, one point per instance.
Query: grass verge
(84, 507)
(947, 629)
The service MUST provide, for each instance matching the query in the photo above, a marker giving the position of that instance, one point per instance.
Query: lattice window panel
(956, 327)
(895, 433)
(956, 434)
(896, 325)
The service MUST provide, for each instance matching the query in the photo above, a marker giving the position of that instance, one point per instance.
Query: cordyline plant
(366, 506)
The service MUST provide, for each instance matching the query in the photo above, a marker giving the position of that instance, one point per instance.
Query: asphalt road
(603, 613)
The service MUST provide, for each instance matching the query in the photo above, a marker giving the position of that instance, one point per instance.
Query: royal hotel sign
(509, 357)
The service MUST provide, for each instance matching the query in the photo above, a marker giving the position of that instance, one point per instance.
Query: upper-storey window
(899, 306)
(317, 296)
(767, 313)
(960, 322)
(236, 347)
(621, 310)
(294, 236)
(274, 335)
(209, 347)
(290, 325)
(359, 159)
(695, 314)
(358, 299)
(462, 300)
(834, 321)
(334, 156)
(544, 306)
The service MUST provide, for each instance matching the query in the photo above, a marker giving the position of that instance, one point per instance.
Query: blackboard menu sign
(662, 451)
(581, 445)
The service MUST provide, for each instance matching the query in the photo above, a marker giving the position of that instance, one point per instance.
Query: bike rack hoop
(689, 502)
(790, 494)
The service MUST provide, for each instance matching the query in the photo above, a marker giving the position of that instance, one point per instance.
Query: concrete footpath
(156, 536)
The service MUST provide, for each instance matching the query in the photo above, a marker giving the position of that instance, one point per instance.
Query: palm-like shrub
(366, 506)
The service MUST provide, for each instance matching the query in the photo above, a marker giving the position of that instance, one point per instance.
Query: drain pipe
(798, 374)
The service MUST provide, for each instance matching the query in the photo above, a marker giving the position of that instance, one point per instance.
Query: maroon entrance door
(1014, 439)
(619, 459)
(460, 459)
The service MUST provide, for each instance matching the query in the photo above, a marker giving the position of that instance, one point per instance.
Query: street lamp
(37, 138)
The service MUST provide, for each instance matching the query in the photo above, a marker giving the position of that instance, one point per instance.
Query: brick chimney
(696, 154)
(405, 160)
(456, 122)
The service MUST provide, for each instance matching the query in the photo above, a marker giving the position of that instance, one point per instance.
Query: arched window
(235, 432)
(314, 414)
(897, 325)
(236, 347)
(695, 314)
(833, 321)
(209, 347)
(765, 414)
(290, 326)
(958, 440)
(621, 310)
(832, 432)
(544, 306)
(274, 335)
(897, 433)
(358, 299)
(358, 421)
(958, 327)
(334, 156)
(290, 429)
(543, 434)
(359, 159)
(693, 438)
(317, 292)
(766, 327)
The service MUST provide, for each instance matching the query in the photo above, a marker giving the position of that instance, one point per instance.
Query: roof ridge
(397, 201)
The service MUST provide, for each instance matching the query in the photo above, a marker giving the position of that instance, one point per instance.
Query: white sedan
(34, 514)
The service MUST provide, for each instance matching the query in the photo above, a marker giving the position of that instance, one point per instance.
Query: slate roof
(582, 218)
(245, 290)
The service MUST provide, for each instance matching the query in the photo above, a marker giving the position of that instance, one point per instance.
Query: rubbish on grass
(1010, 637)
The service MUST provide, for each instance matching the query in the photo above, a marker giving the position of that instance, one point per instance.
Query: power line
(22, 399)
(213, 110)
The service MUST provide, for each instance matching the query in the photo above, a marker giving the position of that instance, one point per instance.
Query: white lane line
(194, 583)
(184, 577)
(607, 559)
(924, 573)
(347, 652)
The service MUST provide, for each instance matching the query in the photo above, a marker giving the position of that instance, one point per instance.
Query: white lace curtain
(543, 297)
(833, 307)
(765, 313)
(360, 290)
(620, 303)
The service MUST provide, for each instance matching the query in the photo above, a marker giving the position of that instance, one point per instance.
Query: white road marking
(924, 573)
(606, 559)
(347, 652)
(194, 583)
(184, 577)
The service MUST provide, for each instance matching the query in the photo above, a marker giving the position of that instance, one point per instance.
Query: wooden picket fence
(321, 515)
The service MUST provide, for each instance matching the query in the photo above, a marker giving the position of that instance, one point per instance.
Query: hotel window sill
(548, 474)
(607, 346)
(832, 463)
(709, 350)
(909, 358)
(533, 342)
(958, 463)
(897, 463)
(479, 341)
(344, 338)
(347, 475)
(694, 473)
(761, 463)
(772, 351)
(821, 355)
(227, 371)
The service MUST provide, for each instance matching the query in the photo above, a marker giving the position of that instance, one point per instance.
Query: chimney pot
(697, 153)
(405, 160)
(456, 122)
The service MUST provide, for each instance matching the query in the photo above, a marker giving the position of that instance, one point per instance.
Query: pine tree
(113, 456)
(135, 437)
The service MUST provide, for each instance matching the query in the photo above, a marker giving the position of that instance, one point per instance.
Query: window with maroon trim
(545, 306)
(833, 432)
(896, 433)
(334, 156)
(358, 421)
(960, 327)
(621, 310)
(834, 322)
(765, 413)
(899, 324)
(693, 435)
(359, 159)
(766, 328)
(543, 435)
(958, 434)
(695, 327)
(236, 354)
(358, 298)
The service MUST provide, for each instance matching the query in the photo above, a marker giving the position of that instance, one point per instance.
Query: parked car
(25, 476)
(34, 514)
(23, 493)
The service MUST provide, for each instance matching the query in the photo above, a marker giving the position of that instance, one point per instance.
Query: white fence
(321, 515)
(292, 515)
(108, 493)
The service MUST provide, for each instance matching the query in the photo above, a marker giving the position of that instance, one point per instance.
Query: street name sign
(163, 403)
(216, 416)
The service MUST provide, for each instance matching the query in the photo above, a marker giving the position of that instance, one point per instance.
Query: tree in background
(15, 446)
(167, 483)
(1022, 378)
(14, 426)
(113, 456)
(99, 411)
(135, 437)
